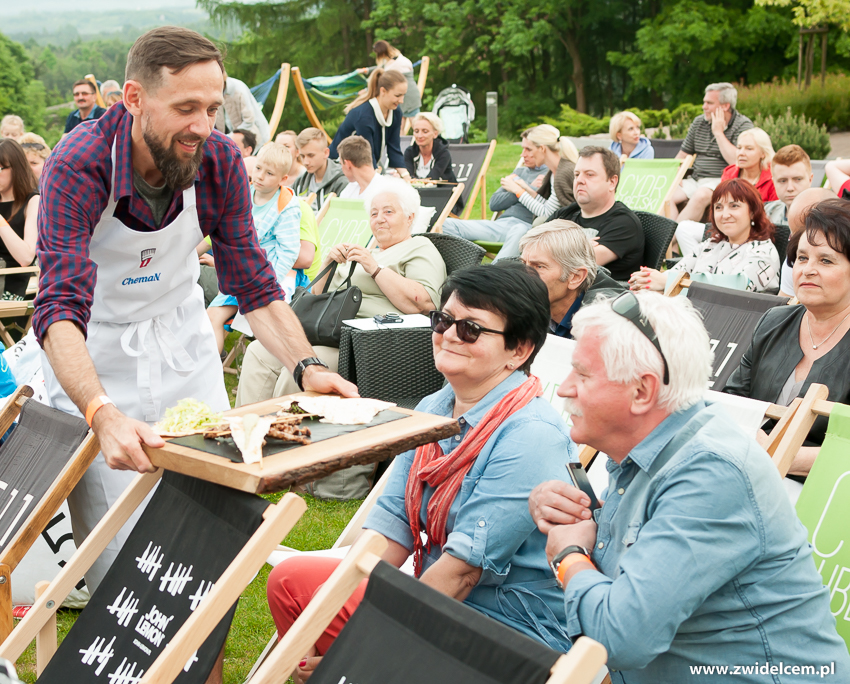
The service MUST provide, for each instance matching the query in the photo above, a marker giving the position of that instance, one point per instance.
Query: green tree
(690, 43)
(20, 93)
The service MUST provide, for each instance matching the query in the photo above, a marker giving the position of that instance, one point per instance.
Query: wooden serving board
(300, 464)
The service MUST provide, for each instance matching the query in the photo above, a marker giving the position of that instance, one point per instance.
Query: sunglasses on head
(467, 331)
(628, 306)
(33, 146)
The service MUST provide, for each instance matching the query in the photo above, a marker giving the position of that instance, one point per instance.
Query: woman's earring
(752, 223)
(511, 366)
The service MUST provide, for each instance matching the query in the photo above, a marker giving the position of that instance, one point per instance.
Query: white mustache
(570, 407)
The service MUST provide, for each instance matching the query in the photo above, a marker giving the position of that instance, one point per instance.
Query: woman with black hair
(469, 493)
(18, 216)
(375, 116)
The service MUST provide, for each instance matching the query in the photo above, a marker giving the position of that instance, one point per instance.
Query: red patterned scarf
(446, 472)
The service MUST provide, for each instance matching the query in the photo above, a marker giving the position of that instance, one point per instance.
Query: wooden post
(280, 101)
(6, 620)
(305, 102)
(45, 641)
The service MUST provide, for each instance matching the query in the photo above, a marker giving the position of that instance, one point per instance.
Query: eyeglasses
(467, 331)
(627, 306)
(33, 146)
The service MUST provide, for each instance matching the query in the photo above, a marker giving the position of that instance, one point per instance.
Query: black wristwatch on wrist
(556, 561)
(301, 366)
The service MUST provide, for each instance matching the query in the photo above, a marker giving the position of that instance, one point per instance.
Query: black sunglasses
(467, 331)
(33, 146)
(627, 306)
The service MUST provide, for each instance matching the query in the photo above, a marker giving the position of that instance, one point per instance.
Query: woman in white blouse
(741, 242)
(559, 155)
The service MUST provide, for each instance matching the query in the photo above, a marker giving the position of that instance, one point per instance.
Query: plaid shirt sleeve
(73, 196)
(241, 264)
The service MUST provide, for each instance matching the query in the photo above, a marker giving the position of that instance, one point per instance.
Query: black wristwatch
(301, 366)
(556, 561)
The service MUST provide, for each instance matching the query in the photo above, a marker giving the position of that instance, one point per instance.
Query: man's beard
(178, 173)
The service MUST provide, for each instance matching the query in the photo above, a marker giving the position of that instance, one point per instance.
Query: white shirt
(352, 190)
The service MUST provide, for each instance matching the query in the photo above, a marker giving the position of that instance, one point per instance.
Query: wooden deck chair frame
(665, 208)
(97, 94)
(444, 214)
(793, 424)
(280, 100)
(423, 78)
(278, 520)
(579, 666)
(41, 515)
(298, 81)
(17, 309)
(480, 185)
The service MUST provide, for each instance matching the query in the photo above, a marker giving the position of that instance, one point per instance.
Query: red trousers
(292, 585)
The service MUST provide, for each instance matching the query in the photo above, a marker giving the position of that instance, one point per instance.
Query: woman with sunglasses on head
(36, 150)
(740, 242)
(18, 216)
(468, 493)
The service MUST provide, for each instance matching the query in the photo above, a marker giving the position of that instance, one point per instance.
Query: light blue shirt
(489, 525)
(643, 150)
(703, 562)
(279, 233)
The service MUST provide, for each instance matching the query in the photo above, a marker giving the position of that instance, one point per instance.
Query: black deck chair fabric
(437, 197)
(731, 317)
(31, 458)
(189, 533)
(404, 632)
(467, 161)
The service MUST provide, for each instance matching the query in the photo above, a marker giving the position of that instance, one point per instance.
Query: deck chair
(442, 198)
(823, 507)
(344, 220)
(819, 173)
(666, 149)
(16, 315)
(193, 551)
(404, 619)
(649, 184)
(730, 316)
(40, 463)
(470, 164)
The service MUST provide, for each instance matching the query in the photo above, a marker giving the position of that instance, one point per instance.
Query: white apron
(151, 342)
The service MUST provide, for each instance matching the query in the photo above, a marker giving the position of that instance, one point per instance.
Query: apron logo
(147, 255)
(144, 279)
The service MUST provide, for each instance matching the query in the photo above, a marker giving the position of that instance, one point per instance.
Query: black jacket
(441, 169)
(775, 352)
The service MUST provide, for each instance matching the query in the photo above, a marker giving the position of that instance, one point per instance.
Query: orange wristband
(95, 405)
(569, 561)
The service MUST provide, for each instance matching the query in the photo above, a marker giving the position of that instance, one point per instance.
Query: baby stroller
(454, 106)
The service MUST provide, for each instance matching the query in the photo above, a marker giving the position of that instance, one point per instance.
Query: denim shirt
(489, 526)
(703, 563)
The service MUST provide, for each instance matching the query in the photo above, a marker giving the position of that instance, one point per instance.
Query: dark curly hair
(742, 191)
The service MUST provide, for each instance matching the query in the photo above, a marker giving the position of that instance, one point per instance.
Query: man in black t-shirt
(619, 240)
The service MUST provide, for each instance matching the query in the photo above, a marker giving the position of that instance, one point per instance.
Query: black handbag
(321, 315)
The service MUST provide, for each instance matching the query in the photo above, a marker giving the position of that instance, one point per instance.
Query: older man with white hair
(713, 137)
(696, 561)
(563, 257)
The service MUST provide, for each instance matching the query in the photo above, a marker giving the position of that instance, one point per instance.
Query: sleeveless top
(16, 284)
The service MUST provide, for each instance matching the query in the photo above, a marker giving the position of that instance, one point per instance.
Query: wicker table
(391, 364)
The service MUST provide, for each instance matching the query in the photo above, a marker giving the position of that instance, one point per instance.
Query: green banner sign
(345, 221)
(644, 183)
(824, 508)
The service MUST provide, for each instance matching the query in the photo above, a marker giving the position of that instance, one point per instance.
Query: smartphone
(387, 318)
(579, 477)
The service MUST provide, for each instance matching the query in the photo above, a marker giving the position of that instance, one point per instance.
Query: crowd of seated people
(494, 503)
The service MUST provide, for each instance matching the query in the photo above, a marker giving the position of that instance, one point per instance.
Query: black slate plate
(319, 431)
